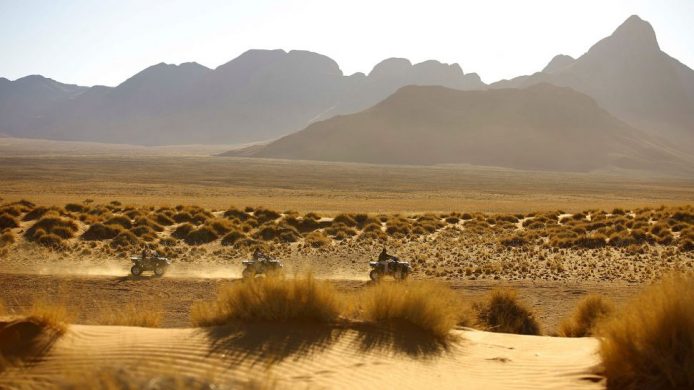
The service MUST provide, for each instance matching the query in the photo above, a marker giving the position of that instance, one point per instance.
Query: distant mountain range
(542, 127)
(624, 103)
(260, 95)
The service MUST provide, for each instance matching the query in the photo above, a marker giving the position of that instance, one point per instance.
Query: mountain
(629, 75)
(260, 95)
(541, 127)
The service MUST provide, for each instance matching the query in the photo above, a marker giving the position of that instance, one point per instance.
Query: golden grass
(49, 315)
(429, 306)
(131, 315)
(650, 345)
(270, 299)
(589, 313)
(504, 313)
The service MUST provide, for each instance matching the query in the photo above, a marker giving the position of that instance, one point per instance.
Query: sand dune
(315, 357)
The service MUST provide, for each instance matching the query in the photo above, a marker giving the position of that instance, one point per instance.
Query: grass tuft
(651, 344)
(589, 313)
(504, 313)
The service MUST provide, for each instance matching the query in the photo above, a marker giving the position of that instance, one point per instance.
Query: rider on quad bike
(385, 258)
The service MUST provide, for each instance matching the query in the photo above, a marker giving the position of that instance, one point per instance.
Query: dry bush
(428, 306)
(221, 226)
(232, 238)
(182, 217)
(7, 238)
(164, 220)
(398, 226)
(99, 231)
(516, 240)
(125, 240)
(120, 220)
(589, 312)
(234, 213)
(57, 226)
(182, 231)
(504, 313)
(202, 235)
(35, 214)
(270, 299)
(131, 315)
(144, 221)
(7, 221)
(650, 345)
(50, 315)
(76, 208)
(340, 231)
(264, 215)
(317, 239)
(345, 219)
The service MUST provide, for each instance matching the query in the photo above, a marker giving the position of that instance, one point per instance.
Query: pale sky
(106, 41)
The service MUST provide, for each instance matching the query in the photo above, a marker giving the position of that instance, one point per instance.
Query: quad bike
(155, 263)
(268, 267)
(399, 270)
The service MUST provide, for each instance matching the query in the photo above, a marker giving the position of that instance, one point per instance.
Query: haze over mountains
(260, 95)
(627, 104)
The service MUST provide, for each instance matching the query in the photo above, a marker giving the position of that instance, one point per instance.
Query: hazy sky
(106, 41)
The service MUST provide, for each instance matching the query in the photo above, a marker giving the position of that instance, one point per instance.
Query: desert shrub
(363, 220)
(307, 225)
(270, 299)
(686, 245)
(317, 239)
(99, 231)
(130, 315)
(167, 242)
(621, 239)
(199, 218)
(144, 221)
(398, 226)
(182, 217)
(11, 210)
(504, 313)
(507, 218)
(682, 216)
(202, 235)
(234, 213)
(650, 345)
(595, 242)
(344, 219)
(49, 315)
(264, 215)
(340, 231)
(182, 231)
(312, 215)
(515, 241)
(164, 220)
(125, 240)
(35, 214)
(232, 238)
(57, 226)
(121, 220)
(373, 235)
(425, 305)
(50, 240)
(75, 208)
(132, 213)
(452, 220)
(589, 312)
(143, 230)
(7, 221)
(220, 226)
(7, 238)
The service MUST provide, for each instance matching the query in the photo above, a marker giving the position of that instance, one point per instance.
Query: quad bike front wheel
(159, 270)
(375, 275)
(248, 273)
(136, 270)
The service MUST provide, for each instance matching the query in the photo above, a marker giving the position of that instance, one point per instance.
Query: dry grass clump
(125, 240)
(651, 344)
(49, 315)
(99, 231)
(144, 221)
(202, 235)
(589, 313)
(233, 237)
(8, 221)
(398, 227)
(340, 231)
(182, 231)
(270, 299)
(131, 315)
(7, 238)
(264, 215)
(504, 313)
(63, 228)
(427, 306)
(317, 240)
(120, 220)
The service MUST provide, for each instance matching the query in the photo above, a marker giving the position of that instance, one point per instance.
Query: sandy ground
(173, 295)
(286, 356)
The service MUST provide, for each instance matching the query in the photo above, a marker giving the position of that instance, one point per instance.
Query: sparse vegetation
(589, 313)
(131, 315)
(651, 343)
(504, 313)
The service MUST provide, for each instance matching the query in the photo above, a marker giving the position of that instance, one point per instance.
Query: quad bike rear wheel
(136, 270)
(375, 275)
(248, 273)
